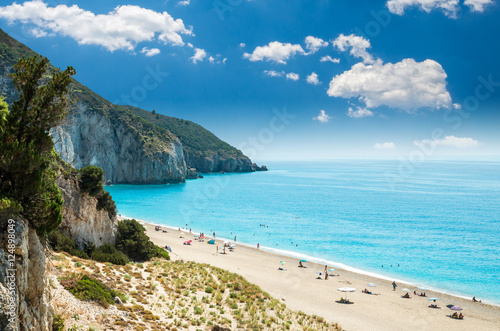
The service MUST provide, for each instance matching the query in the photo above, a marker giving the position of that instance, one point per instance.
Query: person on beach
(258, 246)
(326, 272)
(394, 285)
(217, 246)
(475, 300)
(461, 316)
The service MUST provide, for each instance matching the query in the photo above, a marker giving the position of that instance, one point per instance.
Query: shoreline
(300, 289)
(321, 261)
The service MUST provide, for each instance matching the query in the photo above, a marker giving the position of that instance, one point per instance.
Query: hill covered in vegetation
(131, 145)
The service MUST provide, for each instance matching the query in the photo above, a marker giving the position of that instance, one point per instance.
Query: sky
(290, 79)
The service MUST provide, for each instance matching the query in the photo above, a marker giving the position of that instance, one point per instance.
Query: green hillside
(153, 130)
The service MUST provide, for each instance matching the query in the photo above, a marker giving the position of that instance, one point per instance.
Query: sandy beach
(300, 289)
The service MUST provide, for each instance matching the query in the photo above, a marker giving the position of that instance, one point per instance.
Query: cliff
(83, 221)
(131, 145)
(24, 270)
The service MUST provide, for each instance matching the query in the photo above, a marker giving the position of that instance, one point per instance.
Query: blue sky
(293, 79)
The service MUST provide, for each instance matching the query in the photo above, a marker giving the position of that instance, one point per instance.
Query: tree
(28, 161)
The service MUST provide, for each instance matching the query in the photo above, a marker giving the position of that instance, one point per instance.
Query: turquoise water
(438, 221)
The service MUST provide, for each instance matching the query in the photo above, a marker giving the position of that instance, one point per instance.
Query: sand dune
(300, 290)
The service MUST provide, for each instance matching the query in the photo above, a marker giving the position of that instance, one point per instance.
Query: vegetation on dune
(87, 288)
(28, 163)
(172, 295)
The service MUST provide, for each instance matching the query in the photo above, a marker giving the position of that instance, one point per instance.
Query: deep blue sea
(438, 220)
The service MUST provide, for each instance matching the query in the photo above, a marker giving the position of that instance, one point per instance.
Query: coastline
(300, 289)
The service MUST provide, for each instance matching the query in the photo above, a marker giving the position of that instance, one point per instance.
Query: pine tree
(27, 162)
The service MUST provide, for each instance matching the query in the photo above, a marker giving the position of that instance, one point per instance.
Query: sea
(433, 224)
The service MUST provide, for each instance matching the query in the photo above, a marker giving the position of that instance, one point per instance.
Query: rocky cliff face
(217, 163)
(92, 139)
(24, 272)
(82, 220)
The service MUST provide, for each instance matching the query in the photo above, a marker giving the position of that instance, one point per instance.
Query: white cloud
(190, 45)
(313, 44)
(123, 28)
(448, 141)
(211, 59)
(406, 85)
(478, 5)
(39, 33)
(274, 73)
(184, 2)
(386, 145)
(449, 7)
(358, 46)
(150, 51)
(292, 76)
(224, 60)
(199, 55)
(323, 117)
(328, 58)
(359, 112)
(275, 51)
(242, 45)
(313, 79)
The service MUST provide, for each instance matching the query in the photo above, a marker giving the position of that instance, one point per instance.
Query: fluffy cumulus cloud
(292, 76)
(323, 117)
(313, 79)
(448, 141)
(398, 7)
(386, 145)
(123, 28)
(357, 44)
(407, 85)
(328, 58)
(275, 51)
(150, 51)
(313, 44)
(478, 5)
(359, 112)
(199, 55)
(184, 2)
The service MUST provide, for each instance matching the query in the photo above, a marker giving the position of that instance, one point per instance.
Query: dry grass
(177, 295)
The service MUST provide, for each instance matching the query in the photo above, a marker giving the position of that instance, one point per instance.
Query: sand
(299, 289)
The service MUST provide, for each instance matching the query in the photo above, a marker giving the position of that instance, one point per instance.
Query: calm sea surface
(439, 221)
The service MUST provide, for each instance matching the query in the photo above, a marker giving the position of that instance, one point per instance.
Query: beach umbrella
(433, 299)
(346, 290)
(405, 289)
(282, 263)
(303, 260)
(319, 273)
(456, 308)
(331, 269)
(371, 285)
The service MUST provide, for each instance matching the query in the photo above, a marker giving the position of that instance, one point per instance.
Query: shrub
(109, 253)
(105, 201)
(61, 242)
(90, 289)
(209, 289)
(91, 180)
(57, 323)
(133, 241)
